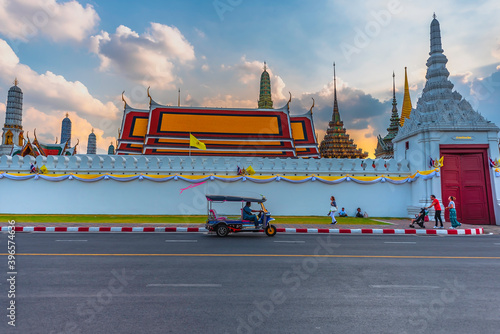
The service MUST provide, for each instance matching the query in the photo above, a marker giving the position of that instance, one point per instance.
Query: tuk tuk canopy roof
(222, 198)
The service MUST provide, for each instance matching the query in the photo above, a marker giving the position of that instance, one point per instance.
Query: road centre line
(186, 285)
(271, 255)
(181, 240)
(424, 287)
(291, 242)
(72, 240)
(399, 242)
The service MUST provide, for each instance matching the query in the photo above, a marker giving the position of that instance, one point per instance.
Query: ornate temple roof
(439, 107)
(165, 130)
(336, 143)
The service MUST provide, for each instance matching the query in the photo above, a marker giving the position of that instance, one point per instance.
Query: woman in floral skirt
(453, 213)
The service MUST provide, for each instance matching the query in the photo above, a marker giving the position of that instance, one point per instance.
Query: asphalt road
(198, 283)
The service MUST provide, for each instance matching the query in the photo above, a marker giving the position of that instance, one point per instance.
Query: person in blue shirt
(247, 214)
(342, 213)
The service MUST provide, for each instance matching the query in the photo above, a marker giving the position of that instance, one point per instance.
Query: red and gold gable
(304, 137)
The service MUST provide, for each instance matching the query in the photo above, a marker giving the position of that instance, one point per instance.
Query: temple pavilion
(336, 143)
(261, 132)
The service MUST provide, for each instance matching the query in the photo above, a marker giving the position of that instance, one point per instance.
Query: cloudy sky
(77, 57)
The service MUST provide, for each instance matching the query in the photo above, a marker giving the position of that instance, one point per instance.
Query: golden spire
(406, 109)
(67, 115)
(16, 82)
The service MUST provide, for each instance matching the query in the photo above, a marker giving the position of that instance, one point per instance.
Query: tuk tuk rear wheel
(271, 230)
(222, 230)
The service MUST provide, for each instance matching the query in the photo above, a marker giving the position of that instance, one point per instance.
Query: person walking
(437, 208)
(333, 208)
(453, 213)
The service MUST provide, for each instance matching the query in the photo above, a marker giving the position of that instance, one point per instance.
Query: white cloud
(149, 59)
(50, 88)
(205, 67)
(227, 101)
(25, 19)
(48, 96)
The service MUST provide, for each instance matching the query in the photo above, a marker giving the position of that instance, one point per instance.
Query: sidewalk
(396, 224)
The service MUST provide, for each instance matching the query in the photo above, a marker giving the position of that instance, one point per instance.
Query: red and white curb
(466, 231)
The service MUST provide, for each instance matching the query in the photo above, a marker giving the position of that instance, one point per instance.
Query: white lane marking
(186, 285)
(181, 240)
(73, 240)
(404, 287)
(291, 242)
(399, 242)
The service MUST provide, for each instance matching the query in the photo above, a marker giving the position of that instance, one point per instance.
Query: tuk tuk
(223, 225)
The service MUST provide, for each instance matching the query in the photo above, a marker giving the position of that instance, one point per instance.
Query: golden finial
(67, 115)
(150, 99)
(16, 82)
(124, 102)
(265, 66)
(92, 130)
(289, 100)
(311, 110)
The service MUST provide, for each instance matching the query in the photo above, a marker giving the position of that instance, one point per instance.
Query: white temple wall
(164, 198)
(149, 197)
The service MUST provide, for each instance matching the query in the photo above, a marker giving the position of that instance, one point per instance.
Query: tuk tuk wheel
(271, 230)
(222, 230)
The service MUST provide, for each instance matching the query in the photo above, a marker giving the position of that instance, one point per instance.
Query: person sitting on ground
(342, 213)
(247, 214)
(359, 214)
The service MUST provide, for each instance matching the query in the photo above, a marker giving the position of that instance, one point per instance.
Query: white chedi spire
(92, 143)
(440, 107)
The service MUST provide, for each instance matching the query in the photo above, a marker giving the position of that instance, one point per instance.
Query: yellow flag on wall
(441, 162)
(250, 170)
(193, 141)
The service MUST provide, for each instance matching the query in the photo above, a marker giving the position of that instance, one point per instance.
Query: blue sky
(77, 57)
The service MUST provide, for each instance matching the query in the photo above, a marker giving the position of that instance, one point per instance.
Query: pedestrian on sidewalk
(453, 213)
(437, 208)
(333, 208)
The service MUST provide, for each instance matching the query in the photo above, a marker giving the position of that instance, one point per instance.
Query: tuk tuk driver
(247, 214)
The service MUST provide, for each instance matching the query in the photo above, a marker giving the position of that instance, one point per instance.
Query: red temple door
(465, 175)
